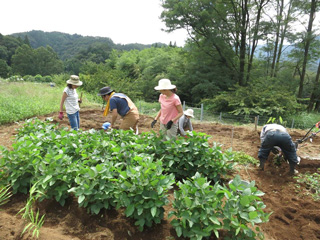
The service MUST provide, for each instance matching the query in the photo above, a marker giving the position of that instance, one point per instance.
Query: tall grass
(23, 100)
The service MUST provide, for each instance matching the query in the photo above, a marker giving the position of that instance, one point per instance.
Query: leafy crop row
(119, 169)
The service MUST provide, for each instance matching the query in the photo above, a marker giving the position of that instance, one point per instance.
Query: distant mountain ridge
(68, 46)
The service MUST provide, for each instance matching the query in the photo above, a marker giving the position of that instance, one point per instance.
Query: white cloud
(124, 21)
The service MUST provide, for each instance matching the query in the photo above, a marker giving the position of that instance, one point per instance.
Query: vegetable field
(145, 167)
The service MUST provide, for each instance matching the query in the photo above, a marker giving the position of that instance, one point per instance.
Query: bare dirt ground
(295, 214)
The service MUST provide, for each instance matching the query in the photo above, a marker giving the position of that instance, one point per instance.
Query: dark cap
(105, 91)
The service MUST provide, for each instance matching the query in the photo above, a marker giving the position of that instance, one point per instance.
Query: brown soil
(295, 214)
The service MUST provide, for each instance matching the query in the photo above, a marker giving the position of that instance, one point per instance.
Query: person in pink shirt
(171, 108)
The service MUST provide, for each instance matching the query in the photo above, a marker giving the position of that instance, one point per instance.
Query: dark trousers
(282, 140)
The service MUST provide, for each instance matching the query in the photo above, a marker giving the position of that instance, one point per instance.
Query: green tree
(218, 28)
(315, 92)
(43, 61)
(23, 61)
(309, 37)
(8, 45)
(47, 61)
(4, 69)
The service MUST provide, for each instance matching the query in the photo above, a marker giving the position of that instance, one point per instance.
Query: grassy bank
(23, 100)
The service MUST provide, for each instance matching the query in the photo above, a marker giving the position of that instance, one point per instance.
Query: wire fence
(227, 118)
(202, 115)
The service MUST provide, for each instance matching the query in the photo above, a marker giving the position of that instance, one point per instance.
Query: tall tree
(315, 93)
(23, 61)
(218, 28)
(308, 39)
(47, 61)
(4, 69)
(43, 61)
(256, 29)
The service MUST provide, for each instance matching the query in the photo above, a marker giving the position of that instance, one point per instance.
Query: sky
(123, 21)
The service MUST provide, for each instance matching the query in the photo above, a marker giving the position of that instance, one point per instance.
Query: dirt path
(295, 214)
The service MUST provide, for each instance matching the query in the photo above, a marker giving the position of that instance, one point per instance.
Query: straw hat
(74, 80)
(189, 112)
(165, 84)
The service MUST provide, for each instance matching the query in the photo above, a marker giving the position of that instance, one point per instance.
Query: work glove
(106, 125)
(318, 124)
(153, 123)
(169, 124)
(60, 115)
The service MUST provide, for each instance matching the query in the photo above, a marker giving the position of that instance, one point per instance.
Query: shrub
(201, 209)
(196, 205)
(142, 191)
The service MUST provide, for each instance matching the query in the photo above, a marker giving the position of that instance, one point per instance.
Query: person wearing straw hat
(185, 122)
(119, 103)
(71, 102)
(171, 108)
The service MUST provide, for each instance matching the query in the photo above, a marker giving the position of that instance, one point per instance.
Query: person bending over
(185, 122)
(276, 135)
(119, 103)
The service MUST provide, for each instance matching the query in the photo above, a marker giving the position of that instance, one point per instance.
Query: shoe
(299, 159)
(293, 171)
(262, 162)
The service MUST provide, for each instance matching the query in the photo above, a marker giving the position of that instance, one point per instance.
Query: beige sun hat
(165, 84)
(74, 80)
(189, 112)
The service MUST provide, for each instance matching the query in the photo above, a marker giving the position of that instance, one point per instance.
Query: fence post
(255, 123)
(184, 105)
(232, 137)
(201, 114)
(220, 117)
(292, 124)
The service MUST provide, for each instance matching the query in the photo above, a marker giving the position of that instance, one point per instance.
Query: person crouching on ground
(119, 103)
(184, 122)
(171, 108)
(71, 101)
(276, 135)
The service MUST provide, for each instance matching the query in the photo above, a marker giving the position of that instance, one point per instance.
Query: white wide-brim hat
(189, 112)
(74, 80)
(165, 84)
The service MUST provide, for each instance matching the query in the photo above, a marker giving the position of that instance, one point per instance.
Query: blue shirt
(119, 103)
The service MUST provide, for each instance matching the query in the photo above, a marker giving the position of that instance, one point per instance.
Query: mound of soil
(295, 214)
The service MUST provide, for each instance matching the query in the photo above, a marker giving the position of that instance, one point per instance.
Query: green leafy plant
(184, 157)
(313, 183)
(142, 190)
(96, 187)
(243, 158)
(201, 209)
(5, 194)
(33, 221)
(196, 205)
(243, 208)
(275, 120)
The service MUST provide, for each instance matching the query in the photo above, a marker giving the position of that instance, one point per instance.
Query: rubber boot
(262, 162)
(292, 168)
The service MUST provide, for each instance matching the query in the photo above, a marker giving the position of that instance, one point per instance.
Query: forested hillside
(68, 46)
